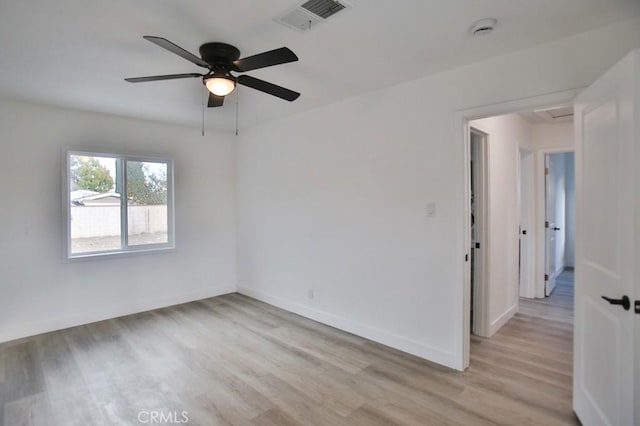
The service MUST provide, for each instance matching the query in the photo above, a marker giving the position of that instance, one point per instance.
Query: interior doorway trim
(462, 137)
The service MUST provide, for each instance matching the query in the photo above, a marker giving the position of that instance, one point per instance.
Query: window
(118, 204)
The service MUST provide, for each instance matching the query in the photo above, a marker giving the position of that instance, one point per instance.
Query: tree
(144, 187)
(88, 173)
(158, 187)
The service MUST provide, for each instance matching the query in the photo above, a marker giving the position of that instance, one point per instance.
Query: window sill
(117, 254)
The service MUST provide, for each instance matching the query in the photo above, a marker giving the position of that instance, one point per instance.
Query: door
(607, 248)
(550, 227)
(524, 197)
(478, 151)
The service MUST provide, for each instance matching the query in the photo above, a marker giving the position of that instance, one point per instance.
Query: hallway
(531, 356)
(558, 306)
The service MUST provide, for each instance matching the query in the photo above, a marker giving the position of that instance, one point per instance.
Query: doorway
(497, 147)
(559, 184)
(505, 218)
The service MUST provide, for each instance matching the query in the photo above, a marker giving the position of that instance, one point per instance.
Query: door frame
(541, 249)
(462, 118)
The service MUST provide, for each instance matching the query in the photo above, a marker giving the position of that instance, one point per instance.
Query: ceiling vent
(323, 8)
(311, 13)
(561, 113)
(556, 114)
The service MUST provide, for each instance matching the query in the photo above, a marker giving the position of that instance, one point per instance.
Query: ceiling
(76, 53)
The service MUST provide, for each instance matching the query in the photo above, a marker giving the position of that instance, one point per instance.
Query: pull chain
(203, 101)
(237, 101)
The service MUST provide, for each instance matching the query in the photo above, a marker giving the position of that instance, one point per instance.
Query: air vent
(311, 13)
(556, 114)
(560, 113)
(323, 8)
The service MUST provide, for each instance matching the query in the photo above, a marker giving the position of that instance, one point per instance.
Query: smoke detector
(311, 13)
(483, 26)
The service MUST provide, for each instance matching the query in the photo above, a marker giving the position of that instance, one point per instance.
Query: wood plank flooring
(558, 306)
(234, 360)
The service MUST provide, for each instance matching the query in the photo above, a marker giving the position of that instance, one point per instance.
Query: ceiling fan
(221, 59)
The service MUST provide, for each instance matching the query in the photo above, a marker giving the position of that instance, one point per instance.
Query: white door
(608, 248)
(524, 195)
(479, 305)
(550, 227)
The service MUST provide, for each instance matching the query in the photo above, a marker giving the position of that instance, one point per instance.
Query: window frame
(125, 248)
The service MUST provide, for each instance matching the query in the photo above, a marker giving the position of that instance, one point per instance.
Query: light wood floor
(233, 360)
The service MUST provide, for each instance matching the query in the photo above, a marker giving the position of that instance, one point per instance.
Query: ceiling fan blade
(215, 101)
(161, 77)
(174, 48)
(266, 59)
(270, 88)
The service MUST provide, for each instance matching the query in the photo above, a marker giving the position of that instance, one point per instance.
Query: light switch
(431, 210)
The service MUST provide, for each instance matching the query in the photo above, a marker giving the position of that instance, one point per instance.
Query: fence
(102, 221)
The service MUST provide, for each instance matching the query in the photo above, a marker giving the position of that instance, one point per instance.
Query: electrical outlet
(310, 294)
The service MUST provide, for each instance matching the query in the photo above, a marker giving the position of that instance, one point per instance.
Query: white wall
(553, 136)
(507, 133)
(38, 292)
(334, 198)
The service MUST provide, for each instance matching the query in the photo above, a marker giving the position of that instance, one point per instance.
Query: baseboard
(101, 314)
(502, 319)
(380, 336)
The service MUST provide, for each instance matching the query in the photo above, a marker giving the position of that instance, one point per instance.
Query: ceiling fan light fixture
(220, 59)
(220, 85)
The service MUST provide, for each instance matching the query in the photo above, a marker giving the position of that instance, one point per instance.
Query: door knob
(624, 302)
(555, 228)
